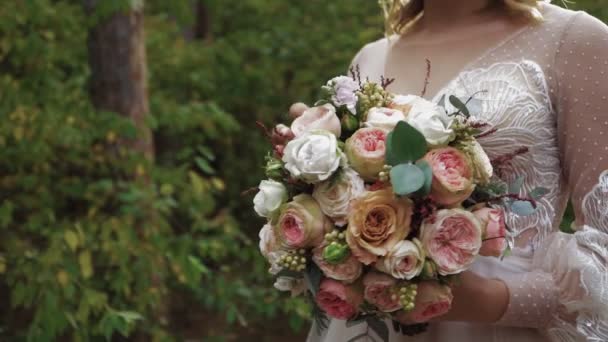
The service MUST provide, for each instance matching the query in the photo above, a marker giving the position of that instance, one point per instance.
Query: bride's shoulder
(372, 55)
(571, 20)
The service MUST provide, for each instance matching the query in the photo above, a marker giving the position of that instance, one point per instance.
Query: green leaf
(515, 186)
(428, 177)
(407, 179)
(379, 327)
(198, 265)
(405, 144)
(538, 193)
(86, 266)
(313, 277)
(462, 108)
(204, 165)
(71, 238)
(522, 208)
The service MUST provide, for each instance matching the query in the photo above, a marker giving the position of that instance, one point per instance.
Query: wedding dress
(545, 87)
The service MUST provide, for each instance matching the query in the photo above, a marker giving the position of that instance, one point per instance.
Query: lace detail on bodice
(513, 97)
(595, 205)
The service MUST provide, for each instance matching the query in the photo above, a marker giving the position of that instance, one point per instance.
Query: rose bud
(452, 176)
(379, 220)
(429, 270)
(335, 252)
(301, 223)
(335, 195)
(432, 300)
(297, 109)
(495, 236)
(281, 135)
(339, 300)
(404, 261)
(270, 197)
(313, 157)
(349, 123)
(317, 118)
(451, 239)
(385, 118)
(347, 270)
(366, 150)
(380, 290)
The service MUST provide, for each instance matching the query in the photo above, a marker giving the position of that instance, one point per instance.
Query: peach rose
(380, 290)
(432, 300)
(495, 231)
(451, 239)
(452, 176)
(379, 220)
(347, 271)
(339, 300)
(301, 223)
(317, 118)
(366, 151)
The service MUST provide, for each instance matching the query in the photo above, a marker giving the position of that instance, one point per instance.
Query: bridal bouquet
(376, 201)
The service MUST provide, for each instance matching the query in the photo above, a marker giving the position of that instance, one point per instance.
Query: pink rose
(301, 223)
(451, 239)
(317, 118)
(347, 271)
(452, 176)
(494, 242)
(378, 221)
(366, 150)
(338, 300)
(380, 290)
(433, 300)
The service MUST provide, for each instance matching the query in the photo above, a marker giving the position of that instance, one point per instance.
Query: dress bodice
(544, 88)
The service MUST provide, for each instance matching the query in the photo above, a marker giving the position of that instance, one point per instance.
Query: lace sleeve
(567, 293)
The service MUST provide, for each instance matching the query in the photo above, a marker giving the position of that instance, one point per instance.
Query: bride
(539, 74)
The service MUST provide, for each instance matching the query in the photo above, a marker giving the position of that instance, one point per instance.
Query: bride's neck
(441, 13)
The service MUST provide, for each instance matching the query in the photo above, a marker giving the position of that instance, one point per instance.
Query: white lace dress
(546, 88)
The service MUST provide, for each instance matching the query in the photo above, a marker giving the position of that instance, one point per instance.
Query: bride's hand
(477, 299)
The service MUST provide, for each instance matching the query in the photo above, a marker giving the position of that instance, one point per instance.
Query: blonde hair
(401, 15)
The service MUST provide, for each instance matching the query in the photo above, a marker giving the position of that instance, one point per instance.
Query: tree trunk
(117, 59)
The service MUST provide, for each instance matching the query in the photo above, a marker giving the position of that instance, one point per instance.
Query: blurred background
(121, 210)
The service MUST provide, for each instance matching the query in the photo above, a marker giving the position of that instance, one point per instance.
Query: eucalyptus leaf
(462, 108)
(522, 208)
(407, 179)
(428, 177)
(515, 186)
(538, 193)
(405, 145)
(313, 277)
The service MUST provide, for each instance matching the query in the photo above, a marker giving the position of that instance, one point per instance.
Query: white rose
(334, 196)
(313, 157)
(296, 286)
(431, 120)
(482, 166)
(382, 117)
(269, 199)
(317, 118)
(404, 261)
(268, 242)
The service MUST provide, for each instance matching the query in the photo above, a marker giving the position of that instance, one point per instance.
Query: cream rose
(313, 157)
(270, 197)
(268, 242)
(451, 239)
(452, 176)
(317, 118)
(482, 167)
(379, 220)
(301, 223)
(429, 119)
(366, 151)
(334, 196)
(495, 231)
(385, 118)
(404, 261)
(347, 271)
